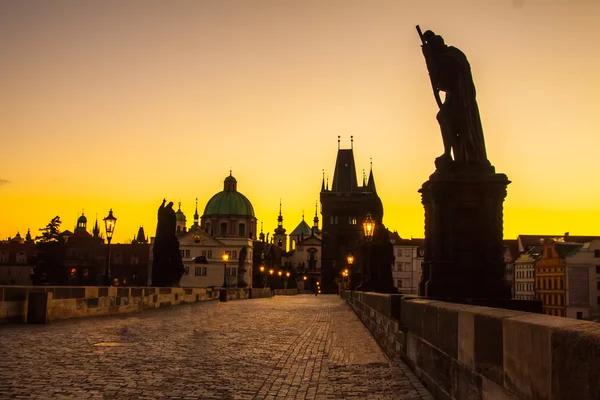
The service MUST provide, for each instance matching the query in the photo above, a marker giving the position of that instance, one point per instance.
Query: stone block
(466, 383)
(492, 391)
(435, 364)
(448, 329)
(1, 294)
(103, 292)
(122, 292)
(150, 291)
(527, 353)
(92, 302)
(412, 315)
(137, 292)
(62, 293)
(576, 362)
(164, 290)
(15, 294)
(488, 341)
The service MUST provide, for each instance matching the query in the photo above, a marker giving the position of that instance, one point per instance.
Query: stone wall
(472, 352)
(286, 292)
(257, 293)
(66, 302)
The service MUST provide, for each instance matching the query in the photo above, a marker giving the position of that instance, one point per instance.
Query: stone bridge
(285, 347)
(359, 345)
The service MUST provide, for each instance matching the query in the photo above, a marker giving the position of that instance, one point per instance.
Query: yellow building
(550, 275)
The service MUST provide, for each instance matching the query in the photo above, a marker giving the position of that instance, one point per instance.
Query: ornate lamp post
(109, 224)
(223, 293)
(369, 228)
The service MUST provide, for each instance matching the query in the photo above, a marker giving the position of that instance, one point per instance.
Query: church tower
(181, 221)
(344, 208)
(280, 237)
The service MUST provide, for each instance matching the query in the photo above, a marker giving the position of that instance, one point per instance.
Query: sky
(118, 104)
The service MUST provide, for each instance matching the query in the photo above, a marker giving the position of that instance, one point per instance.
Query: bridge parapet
(472, 352)
(65, 302)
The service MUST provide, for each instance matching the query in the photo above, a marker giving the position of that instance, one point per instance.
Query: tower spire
(261, 236)
(196, 216)
(323, 182)
(327, 187)
(351, 142)
(280, 217)
(338, 142)
(371, 183)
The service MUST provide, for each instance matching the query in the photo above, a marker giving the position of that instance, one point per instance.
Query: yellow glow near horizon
(120, 104)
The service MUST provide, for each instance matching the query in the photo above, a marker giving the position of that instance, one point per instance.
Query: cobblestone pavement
(294, 347)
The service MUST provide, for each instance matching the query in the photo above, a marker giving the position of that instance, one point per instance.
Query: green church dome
(229, 201)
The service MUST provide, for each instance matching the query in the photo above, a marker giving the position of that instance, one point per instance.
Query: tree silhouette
(50, 268)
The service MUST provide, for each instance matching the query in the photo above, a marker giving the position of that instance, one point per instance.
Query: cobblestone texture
(294, 347)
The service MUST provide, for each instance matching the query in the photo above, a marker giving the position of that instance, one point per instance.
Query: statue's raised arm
(459, 119)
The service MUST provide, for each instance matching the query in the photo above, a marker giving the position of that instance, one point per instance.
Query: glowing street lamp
(109, 224)
(223, 292)
(369, 228)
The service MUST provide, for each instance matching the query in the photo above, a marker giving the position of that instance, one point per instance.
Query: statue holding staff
(460, 123)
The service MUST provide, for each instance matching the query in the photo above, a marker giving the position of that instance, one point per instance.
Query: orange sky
(121, 103)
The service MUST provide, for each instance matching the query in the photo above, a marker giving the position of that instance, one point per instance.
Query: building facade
(583, 282)
(227, 226)
(524, 275)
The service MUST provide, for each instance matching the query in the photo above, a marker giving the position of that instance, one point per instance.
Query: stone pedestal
(463, 235)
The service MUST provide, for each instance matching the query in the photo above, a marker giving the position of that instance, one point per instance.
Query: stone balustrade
(463, 351)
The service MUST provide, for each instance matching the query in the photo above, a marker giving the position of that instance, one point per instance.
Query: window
(242, 230)
(399, 252)
(579, 315)
(21, 257)
(406, 253)
(353, 220)
(187, 254)
(597, 269)
(597, 253)
(118, 258)
(223, 230)
(231, 271)
(3, 257)
(399, 283)
(134, 259)
(598, 301)
(399, 267)
(208, 228)
(207, 254)
(598, 285)
(200, 271)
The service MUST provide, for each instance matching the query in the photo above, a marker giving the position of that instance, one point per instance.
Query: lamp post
(369, 228)
(223, 293)
(262, 275)
(287, 275)
(109, 224)
(350, 260)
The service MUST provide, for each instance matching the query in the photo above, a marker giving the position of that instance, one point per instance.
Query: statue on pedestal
(459, 119)
(167, 266)
(463, 198)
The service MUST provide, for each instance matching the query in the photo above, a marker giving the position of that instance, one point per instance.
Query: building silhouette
(344, 208)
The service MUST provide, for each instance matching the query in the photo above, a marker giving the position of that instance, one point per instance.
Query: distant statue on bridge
(460, 123)
(167, 266)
